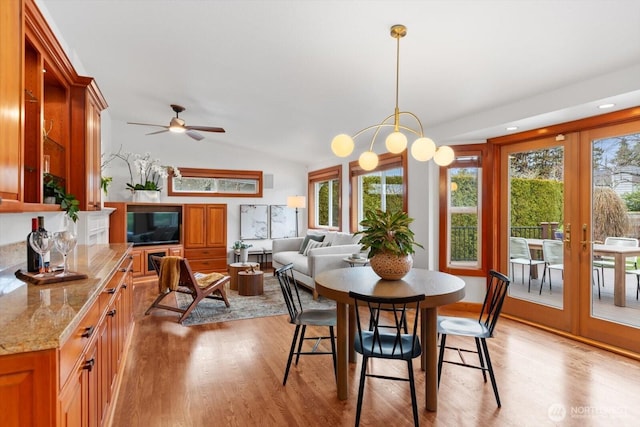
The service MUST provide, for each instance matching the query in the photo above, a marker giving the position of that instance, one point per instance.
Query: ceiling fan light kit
(177, 125)
(423, 149)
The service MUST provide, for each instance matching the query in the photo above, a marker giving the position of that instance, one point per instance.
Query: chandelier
(422, 149)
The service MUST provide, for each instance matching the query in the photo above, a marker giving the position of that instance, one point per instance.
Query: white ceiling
(286, 76)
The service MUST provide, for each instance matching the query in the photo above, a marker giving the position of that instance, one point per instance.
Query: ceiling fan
(177, 125)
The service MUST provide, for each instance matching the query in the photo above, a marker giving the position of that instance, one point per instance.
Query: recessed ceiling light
(603, 106)
(512, 128)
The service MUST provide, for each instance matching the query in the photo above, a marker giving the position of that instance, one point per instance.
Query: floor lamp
(296, 202)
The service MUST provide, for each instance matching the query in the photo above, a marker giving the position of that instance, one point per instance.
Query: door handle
(567, 235)
(584, 242)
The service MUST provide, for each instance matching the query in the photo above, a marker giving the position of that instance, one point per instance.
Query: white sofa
(341, 245)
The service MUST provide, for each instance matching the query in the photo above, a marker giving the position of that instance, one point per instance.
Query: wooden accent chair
(210, 286)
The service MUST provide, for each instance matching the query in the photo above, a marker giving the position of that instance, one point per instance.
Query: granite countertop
(32, 317)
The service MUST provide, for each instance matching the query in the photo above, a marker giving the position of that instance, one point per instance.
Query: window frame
(216, 173)
(318, 176)
(487, 209)
(386, 161)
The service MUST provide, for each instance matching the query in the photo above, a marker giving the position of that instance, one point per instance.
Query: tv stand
(142, 267)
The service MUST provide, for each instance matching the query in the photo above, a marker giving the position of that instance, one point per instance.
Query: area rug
(271, 303)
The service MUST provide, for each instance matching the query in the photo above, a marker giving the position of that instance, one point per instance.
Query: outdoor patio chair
(553, 255)
(608, 261)
(519, 253)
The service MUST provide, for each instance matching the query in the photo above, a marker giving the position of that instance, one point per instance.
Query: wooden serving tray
(48, 278)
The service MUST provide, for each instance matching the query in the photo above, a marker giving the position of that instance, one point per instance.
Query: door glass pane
(536, 206)
(615, 207)
(464, 211)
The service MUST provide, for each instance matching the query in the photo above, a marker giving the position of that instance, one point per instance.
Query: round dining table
(439, 289)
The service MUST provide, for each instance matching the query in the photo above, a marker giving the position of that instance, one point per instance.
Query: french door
(568, 193)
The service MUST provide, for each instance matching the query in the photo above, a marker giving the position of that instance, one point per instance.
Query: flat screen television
(153, 225)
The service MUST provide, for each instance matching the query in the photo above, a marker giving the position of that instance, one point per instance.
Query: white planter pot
(244, 255)
(146, 196)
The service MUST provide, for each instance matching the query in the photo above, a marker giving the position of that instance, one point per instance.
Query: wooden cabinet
(47, 111)
(205, 237)
(142, 266)
(87, 104)
(11, 99)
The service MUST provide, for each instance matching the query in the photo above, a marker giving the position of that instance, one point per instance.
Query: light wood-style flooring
(230, 374)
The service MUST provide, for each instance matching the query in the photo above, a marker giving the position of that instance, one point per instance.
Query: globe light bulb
(444, 156)
(342, 145)
(396, 142)
(368, 160)
(423, 149)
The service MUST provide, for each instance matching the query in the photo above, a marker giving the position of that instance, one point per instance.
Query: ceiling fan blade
(195, 135)
(146, 124)
(158, 131)
(205, 128)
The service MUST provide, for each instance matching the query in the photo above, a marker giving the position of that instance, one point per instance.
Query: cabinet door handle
(88, 332)
(124, 286)
(111, 291)
(111, 312)
(88, 365)
(123, 270)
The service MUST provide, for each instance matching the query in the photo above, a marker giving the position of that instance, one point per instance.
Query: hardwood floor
(230, 374)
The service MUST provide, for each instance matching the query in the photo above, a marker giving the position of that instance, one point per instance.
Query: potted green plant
(390, 242)
(67, 201)
(241, 248)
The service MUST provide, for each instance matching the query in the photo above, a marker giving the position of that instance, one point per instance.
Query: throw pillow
(313, 244)
(305, 242)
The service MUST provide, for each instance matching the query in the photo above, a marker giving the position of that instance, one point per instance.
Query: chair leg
(638, 287)
(293, 346)
(484, 374)
(544, 277)
(333, 353)
(304, 329)
(412, 386)
(363, 373)
(443, 341)
(490, 368)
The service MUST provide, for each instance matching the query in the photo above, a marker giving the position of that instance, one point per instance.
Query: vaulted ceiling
(288, 75)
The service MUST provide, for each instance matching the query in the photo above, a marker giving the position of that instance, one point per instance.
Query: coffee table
(250, 283)
(237, 267)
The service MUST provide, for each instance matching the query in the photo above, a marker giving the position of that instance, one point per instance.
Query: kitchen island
(60, 362)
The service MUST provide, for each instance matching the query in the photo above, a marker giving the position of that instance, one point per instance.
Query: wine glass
(41, 241)
(42, 317)
(65, 242)
(66, 312)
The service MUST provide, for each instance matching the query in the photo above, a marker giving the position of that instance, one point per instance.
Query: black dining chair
(302, 318)
(375, 340)
(480, 329)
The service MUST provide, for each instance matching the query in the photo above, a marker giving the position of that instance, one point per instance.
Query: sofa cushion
(344, 239)
(314, 244)
(305, 242)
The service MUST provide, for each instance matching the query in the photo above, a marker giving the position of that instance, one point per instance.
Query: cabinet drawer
(109, 291)
(208, 266)
(205, 253)
(73, 347)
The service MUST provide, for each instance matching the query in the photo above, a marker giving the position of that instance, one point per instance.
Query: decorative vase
(390, 266)
(146, 196)
(244, 255)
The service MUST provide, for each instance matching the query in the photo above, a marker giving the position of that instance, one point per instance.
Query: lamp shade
(396, 142)
(368, 160)
(342, 145)
(296, 202)
(423, 149)
(444, 156)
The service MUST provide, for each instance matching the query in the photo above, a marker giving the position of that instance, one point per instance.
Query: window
(216, 183)
(383, 188)
(325, 194)
(462, 218)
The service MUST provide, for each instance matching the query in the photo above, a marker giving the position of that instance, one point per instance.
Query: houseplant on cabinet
(390, 242)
